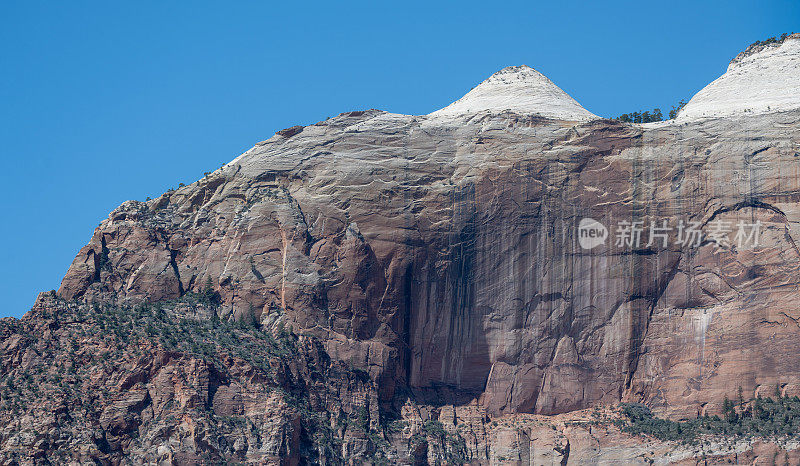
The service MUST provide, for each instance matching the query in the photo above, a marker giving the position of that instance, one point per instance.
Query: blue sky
(102, 102)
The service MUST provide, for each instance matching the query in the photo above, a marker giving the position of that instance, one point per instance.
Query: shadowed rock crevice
(173, 254)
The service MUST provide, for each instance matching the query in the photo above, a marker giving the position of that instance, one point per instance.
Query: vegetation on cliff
(768, 417)
(171, 381)
(648, 116)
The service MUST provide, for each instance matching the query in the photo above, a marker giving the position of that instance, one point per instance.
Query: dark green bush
(760, 417)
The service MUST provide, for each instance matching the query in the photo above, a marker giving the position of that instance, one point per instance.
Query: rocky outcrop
(518, 89)
(167, 385)
(441, 258)
(164, 384)
(461, 266)
(761, 79)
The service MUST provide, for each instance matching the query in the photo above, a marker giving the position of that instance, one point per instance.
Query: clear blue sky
(101, 103)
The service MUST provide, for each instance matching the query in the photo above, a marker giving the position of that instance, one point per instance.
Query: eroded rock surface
(440, 258)
(434, 255)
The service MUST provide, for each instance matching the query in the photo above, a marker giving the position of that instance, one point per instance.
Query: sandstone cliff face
(447, 254)
(440, 254)
(167, 384)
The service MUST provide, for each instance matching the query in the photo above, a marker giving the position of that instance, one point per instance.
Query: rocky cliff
(421, 289)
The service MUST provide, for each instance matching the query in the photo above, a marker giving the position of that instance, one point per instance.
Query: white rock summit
(764, 78)
(520, 89)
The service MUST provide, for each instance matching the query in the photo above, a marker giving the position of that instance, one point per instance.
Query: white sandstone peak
(520, 89)
(764, 78)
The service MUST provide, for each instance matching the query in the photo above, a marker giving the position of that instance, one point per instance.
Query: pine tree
(676, 108)
(657, 116)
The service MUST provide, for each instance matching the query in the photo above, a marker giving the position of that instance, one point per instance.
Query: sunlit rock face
(761, 79)
(518, 89)
(441, 253)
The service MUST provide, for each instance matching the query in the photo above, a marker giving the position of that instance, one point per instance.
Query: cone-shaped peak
(520, 89)
(764, 78)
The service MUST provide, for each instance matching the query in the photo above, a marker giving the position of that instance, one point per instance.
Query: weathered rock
(461, 267)
(438, 258)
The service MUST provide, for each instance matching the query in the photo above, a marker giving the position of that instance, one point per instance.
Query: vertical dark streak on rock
(408, 301)
(101, 260)
(174, 264)
(462, 260)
